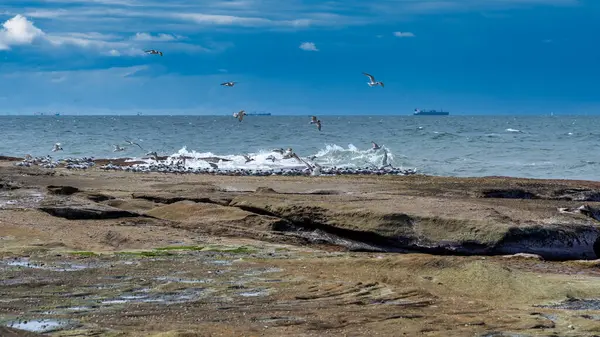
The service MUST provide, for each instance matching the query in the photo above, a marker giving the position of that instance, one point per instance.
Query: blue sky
(300, 56)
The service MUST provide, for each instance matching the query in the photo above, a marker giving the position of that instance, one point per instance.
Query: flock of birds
(240, 114)
(177, 163)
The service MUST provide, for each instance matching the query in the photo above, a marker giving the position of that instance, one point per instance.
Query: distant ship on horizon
(419, 112)
(43, 113)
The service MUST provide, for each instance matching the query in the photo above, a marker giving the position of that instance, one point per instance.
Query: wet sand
(94, 253)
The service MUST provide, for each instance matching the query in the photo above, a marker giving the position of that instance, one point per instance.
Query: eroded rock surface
(112, 253)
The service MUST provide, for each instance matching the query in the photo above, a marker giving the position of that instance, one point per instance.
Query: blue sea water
(565, 147)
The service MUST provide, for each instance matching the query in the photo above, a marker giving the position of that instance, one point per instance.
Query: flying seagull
(248, 159)
(372, 82)
(133, 143)
(153, 52)
(118, 148)
(319, 124)
(375, 146)
(228, 84)
(57, 147)
(239, 115)
(313, 120)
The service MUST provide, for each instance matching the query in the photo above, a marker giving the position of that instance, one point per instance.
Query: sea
(558, 147)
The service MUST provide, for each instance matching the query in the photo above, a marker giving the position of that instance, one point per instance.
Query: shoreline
(127, 161)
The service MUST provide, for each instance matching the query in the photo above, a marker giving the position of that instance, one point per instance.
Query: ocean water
(565, 147)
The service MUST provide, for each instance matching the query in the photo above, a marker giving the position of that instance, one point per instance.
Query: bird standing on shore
(372, 81)
(153, 52)
(153, 155)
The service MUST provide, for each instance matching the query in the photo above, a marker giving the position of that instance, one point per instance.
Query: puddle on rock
(20, 199)
(181, 296)
(221, 262)
(255, 272)
(181, 280)
(39, 325)
(61, 266)
(255, 293)
(575, 304)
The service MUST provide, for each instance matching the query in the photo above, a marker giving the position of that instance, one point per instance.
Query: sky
(300, 57)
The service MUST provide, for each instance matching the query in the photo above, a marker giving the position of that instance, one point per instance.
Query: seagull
(289, 153)
(154, 155)
(280, 150)
(118, 148)
(213, 165)
(375, 146)
(57, 147)
(313, 120)
(271, 158)
(319, 125)
(248, 159)
(228, 84)
(153, 52)
(133, 143)
(239, 115)
(372, 82)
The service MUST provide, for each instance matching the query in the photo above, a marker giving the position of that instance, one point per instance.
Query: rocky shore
(105, 252)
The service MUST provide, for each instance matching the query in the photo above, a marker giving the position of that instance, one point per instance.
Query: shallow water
(531, 146)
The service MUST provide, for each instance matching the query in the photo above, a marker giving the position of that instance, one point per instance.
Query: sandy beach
(102, 253)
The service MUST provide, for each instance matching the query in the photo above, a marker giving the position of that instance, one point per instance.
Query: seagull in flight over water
(153, 52)
(133, 143)
(239, 115)
(57, 147)
(228, 84)
(118, 148)
(372, 82)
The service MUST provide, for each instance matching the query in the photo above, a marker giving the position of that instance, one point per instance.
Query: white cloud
(244, 21)
(308, 46)
(150, 37)
(295, 14)
(18, 31)
(404, 34)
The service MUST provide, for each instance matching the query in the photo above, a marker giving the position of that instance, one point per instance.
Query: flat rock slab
(436, 225)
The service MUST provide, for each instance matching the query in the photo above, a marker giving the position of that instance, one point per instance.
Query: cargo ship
(419, 112)
(259, 114)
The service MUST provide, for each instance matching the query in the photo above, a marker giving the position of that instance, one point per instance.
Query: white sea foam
(330, 156)
(513, 130)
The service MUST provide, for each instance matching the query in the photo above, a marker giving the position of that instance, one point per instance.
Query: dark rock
(98, 197)
(62, 190)
(88, 212)
(509, 194)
